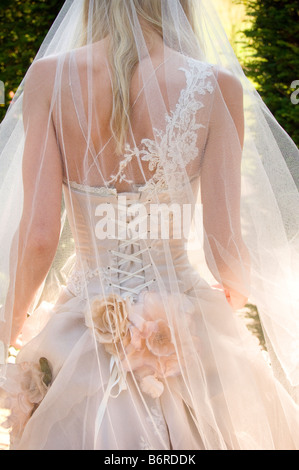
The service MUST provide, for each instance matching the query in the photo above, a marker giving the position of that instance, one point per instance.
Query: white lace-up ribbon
(117, 378)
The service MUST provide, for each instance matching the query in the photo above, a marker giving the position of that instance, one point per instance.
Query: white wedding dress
(222, 396)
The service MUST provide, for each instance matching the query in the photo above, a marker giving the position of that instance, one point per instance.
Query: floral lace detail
(144, 444)
(80, 278)
(173, 149)
(157, 420)
(98, 190)
(156, 423)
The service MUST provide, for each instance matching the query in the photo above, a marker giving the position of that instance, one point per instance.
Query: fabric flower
(146, 336)
(30, 383)
(152, 386)
(152, 349)
(117, 348)
(33, 384)
(159, 339)
(109, 319)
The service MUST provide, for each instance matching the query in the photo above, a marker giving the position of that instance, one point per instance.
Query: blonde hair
(112, 18)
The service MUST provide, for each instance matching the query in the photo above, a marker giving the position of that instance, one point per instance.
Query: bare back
(74, 131)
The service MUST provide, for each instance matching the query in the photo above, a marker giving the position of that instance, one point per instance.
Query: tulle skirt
(227, 398)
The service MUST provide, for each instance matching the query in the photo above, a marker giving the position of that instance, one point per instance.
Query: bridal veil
(186, 124)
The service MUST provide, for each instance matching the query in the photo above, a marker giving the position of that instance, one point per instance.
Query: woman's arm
(226, 253)
(39, 229)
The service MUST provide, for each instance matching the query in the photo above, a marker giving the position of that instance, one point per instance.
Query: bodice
(128, 242)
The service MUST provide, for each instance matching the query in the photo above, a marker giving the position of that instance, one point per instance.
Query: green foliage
(23, 26)
(272, 57)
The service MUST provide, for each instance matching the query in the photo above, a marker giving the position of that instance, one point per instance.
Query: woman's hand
(235, 299)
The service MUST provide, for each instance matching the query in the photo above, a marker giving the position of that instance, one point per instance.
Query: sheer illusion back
(97, 139)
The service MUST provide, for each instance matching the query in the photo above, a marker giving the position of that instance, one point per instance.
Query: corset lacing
(129, 268)
(130, 254)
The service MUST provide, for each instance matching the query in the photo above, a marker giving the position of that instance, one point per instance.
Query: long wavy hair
(102, 18)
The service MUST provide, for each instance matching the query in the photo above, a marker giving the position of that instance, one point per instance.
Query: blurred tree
(23, 26)
(272, 57)
(233, 18)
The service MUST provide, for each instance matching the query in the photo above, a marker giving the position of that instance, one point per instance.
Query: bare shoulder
(230, 86)
(231, 90)
(40, 77)
(42, 74)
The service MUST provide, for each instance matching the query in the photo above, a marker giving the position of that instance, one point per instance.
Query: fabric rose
(146, 336)
(27, 386)
(152, 353)
(109, 319)
(33, 383)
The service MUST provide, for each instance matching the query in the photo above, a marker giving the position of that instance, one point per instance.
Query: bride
(147, 194)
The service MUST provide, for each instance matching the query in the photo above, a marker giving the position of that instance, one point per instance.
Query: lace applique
(99, 190)
(128, 157)
(144, 444)
(80, 278)
(173, 149)
(157, 425)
